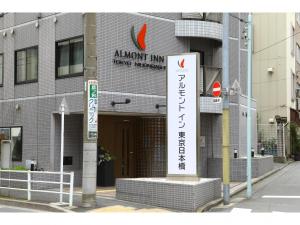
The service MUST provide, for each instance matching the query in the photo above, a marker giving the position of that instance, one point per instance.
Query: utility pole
(90, 118)
(249, 114)
(225, 122)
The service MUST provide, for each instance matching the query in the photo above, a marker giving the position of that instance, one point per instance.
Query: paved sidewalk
(107, 202)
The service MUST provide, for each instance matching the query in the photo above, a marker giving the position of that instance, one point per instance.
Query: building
(274, 78)
(42, 62)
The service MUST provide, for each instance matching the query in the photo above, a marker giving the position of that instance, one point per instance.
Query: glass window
(1, 69)
(16, 142)
(298, 18)
(63, 58)
(293, 88)
(292, 40)
(69, 57)
(27, 65)
(14, 135)
(298, 53)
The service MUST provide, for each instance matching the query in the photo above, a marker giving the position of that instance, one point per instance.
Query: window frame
(292, 41)
(16, 66)
(10, 127)
(293, 86)
(1, 84)
(298, 18)
(297, 53)
(56, 59)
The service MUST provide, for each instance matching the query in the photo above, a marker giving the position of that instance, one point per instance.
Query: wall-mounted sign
(140, 58)
(92, 109)
(183, 114)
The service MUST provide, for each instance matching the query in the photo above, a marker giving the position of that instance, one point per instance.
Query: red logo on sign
(216, 92)
(139, 41)
(181, 63)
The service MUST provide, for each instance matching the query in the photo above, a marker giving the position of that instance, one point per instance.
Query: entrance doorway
(125, 144)
(116, 136)
(137, 145)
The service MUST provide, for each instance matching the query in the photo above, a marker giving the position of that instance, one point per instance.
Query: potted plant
(105, 168)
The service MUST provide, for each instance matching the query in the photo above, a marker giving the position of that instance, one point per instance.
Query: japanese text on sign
(92, 109)
(182, 115)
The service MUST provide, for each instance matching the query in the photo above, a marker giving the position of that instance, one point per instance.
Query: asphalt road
(8, 209)
(277, 193)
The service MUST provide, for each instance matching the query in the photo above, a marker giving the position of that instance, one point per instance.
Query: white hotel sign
(183, 115)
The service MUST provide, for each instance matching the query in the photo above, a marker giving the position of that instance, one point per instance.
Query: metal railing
(37, 181)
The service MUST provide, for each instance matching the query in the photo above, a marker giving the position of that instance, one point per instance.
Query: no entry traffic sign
(216, 92)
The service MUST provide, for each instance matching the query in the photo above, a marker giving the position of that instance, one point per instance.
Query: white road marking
(281, 196)
(240, 210)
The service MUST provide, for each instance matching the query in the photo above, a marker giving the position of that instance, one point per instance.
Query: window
(13, 134)
(298, 18)
(293, 87)
(298, 53)
(1, 69)
(292, 40)
(69, 58)
(26, 65)
(16, 141)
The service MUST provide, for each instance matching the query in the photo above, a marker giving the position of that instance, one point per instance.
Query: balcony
(212, 17)
(202, 25)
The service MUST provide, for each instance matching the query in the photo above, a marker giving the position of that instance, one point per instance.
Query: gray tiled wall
(238, 167)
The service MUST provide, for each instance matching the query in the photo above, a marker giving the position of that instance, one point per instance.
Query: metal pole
(225, 122)
(284, 155)
(71, 189)
(62, 151)
(249, 127)
(29, 185)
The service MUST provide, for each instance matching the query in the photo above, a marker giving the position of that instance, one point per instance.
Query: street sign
(64, 107)
(216, 92)
(92, 109)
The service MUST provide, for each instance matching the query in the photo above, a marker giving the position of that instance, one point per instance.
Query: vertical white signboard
(92, 109)
(183, 114)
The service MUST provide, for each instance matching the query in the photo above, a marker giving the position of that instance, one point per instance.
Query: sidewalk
(107, 202)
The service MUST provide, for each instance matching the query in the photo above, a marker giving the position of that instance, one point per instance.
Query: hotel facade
(41, 57)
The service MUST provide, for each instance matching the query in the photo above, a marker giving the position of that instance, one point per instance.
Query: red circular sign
(216, 92)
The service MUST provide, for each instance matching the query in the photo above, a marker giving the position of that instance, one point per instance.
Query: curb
(242, 187)
(32, 205)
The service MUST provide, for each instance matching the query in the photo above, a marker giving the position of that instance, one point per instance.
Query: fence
(273, 138)
(37, 182)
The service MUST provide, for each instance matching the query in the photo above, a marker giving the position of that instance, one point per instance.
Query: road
(8, 209)
(277, 193)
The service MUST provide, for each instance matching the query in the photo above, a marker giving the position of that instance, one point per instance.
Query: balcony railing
(208, 75)
(212, 17)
